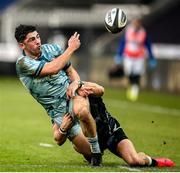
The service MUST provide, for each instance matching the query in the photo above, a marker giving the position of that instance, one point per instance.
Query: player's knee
(83, 113)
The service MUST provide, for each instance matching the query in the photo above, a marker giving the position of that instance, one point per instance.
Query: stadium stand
(87, 18)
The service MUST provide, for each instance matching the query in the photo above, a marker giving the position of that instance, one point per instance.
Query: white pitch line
(143, 107)
(73, 166)
(45, 145)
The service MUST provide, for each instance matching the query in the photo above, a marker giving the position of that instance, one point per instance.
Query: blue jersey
(49, 91)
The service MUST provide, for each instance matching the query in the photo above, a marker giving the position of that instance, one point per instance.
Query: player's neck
(33, 56)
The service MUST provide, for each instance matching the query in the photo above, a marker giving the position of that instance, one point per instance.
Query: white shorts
(135, 66)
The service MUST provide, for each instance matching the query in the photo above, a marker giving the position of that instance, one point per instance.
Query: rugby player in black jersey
(111, 136)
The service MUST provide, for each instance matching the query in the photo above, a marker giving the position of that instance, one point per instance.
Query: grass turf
(152, 124)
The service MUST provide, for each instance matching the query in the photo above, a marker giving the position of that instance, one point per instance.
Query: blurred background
(57, 20)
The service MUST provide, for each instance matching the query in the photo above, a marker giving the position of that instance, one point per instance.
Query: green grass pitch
(152, 123)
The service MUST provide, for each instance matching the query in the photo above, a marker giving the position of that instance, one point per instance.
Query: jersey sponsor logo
(116, 128)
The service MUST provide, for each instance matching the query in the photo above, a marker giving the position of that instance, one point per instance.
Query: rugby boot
(164, 162)
(96, 159)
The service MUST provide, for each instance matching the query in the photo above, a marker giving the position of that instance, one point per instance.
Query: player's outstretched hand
(74, 42)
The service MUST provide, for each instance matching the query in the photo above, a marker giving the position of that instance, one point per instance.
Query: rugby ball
(115, 20)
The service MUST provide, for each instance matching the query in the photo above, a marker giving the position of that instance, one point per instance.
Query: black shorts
(114, 139)
(109, 136)
(109, 130)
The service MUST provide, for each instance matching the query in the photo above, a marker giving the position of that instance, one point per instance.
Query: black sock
(154, 162)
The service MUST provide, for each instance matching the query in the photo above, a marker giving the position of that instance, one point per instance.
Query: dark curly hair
(22, 30)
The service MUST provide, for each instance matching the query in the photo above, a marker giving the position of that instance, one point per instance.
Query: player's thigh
(80, 104)
(127, 151)
(126, 147)
(81, 144)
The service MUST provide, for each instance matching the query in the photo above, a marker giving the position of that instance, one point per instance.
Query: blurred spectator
(131, 54)
(58, 38)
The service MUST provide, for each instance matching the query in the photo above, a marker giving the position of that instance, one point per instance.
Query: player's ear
(21, 45)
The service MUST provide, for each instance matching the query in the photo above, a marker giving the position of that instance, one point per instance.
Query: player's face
(32, 44)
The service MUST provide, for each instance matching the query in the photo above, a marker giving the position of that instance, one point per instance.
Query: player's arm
(58, 63)
(74, 77)
(90, 88)
(60, 133)
(149, 47)
(152, 60)
(72, 74)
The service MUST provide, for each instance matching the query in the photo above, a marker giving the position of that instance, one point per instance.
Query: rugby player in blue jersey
(111, 136)
(45, 70)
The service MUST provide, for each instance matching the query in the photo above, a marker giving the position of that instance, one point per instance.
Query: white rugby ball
(115, 20)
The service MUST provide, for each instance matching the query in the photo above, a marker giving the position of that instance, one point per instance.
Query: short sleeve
(53, 49)
(28, 66)
(58, 49)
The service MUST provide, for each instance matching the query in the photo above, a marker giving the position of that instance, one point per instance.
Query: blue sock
(94, 145)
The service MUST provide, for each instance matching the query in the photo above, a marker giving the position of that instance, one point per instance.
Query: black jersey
(107, 126)
(101, 117)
